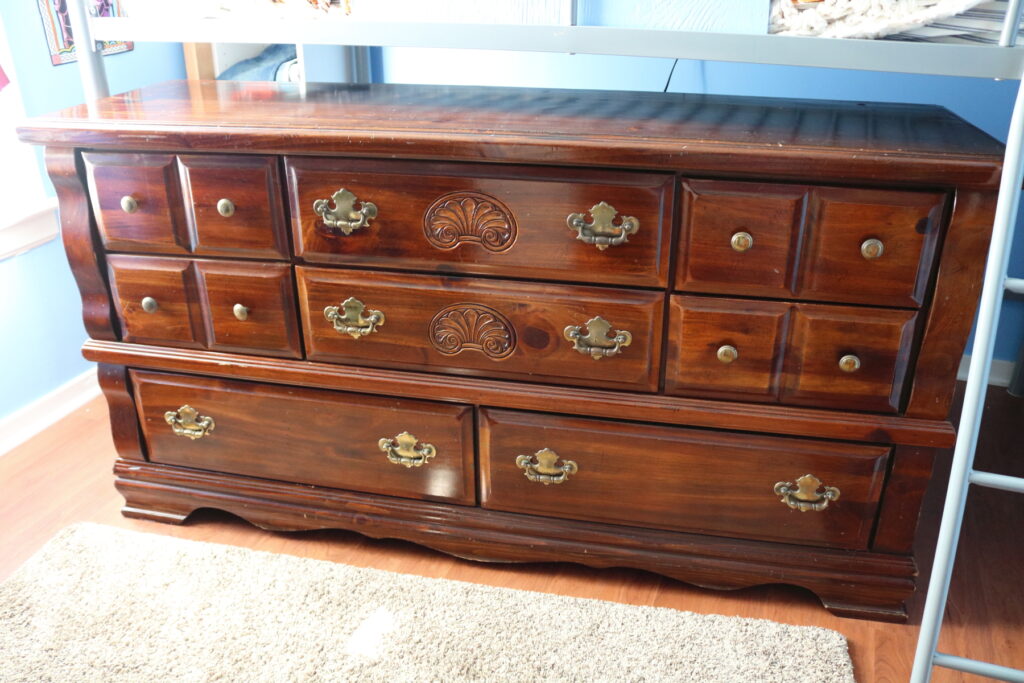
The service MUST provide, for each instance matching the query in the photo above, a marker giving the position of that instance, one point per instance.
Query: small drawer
(871, 246)
(726, 348)
(136, 202)
(467, 218)
(156, 300)
(249, 307)
(739, 238)
(707, 482)
(802, 354)
(396, 447)
(234, 206)
(862, 246)
(586, 336)
(843, 357)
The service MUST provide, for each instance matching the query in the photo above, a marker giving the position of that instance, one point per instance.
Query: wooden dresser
(714, 338)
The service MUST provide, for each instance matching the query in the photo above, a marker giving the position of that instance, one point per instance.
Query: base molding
(26, 422)
(849, 583)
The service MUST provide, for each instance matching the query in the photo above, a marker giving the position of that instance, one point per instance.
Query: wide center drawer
(591, 336)
(390, 446)
(740, 485)
(597, 227)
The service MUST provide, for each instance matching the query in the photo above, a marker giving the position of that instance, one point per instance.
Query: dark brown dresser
(714, 338)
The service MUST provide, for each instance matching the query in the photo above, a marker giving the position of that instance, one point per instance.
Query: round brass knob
(226, 208)
(149, 304)
(872, 249)
(727, 353)
(742, 241)
(241, 312)
(129, 204)
(849, 363)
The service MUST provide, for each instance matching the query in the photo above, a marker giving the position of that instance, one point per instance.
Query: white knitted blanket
(860, 18)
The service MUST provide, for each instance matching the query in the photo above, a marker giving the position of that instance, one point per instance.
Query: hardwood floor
(62, 476)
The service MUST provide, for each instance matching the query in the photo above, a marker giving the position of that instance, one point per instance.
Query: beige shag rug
(104, 604)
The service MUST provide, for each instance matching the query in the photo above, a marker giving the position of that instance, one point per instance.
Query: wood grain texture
(177, 318)
(904, 493)
(543, 398)
(266, 291)
(158, 223)
(309, 436)
(807, 242)
(860, 584)
(256, 228)
(124, 419)
(62, 476)
(953, 304)
(444, 324)
(788, 352)
(467, 218)
(844, 142)
(680, 479)
(821, 336)
(80, 243)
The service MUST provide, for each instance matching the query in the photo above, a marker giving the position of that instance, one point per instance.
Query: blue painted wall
(986, 104)
(42, 328)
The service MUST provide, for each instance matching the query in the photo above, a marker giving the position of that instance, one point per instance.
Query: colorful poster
(57, 26)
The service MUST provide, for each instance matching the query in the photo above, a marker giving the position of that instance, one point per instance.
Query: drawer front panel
(249, 307)
(871, 247)
(679, 479)
(309, 436)
(234, 206)
(487, 328)
(155, 300)
(803, 354)
(726, 348)
(739, 238)
(473, 219)
(848, 357)
(220, 305)
(136, 202)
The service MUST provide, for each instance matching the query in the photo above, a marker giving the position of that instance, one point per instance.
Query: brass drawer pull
(241, 312)
(872, 249)
(542, 468)
(602, 231)
(406, 450)
(349, 319)
(149, 304)
(596, 342)
(807, 494)
(741, 241)
(849, 363)
(226, 208)
(186, 421)
(727, 353)
(343, 217)
(129, 204)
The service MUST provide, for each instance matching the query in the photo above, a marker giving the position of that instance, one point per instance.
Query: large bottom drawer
(740, 485)
(398, 447)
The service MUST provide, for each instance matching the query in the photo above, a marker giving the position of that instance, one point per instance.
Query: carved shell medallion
(472, 327)
(471, 218)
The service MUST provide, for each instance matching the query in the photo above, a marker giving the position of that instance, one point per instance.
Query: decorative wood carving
(472, 327)
(471, 218)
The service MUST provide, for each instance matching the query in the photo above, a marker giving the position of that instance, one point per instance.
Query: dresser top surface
(246, 116)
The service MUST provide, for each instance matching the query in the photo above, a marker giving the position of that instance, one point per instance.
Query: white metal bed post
(963, 474)
(89, 53)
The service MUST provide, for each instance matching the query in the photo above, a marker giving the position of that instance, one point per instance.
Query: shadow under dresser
(715, 338)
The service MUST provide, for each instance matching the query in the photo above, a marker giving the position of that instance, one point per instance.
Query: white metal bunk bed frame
(1005, 61)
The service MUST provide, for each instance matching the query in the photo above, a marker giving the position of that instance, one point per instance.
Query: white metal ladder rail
(963, 474)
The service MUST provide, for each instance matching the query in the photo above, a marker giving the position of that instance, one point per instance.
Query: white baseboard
(24, 423)
(999, 375)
